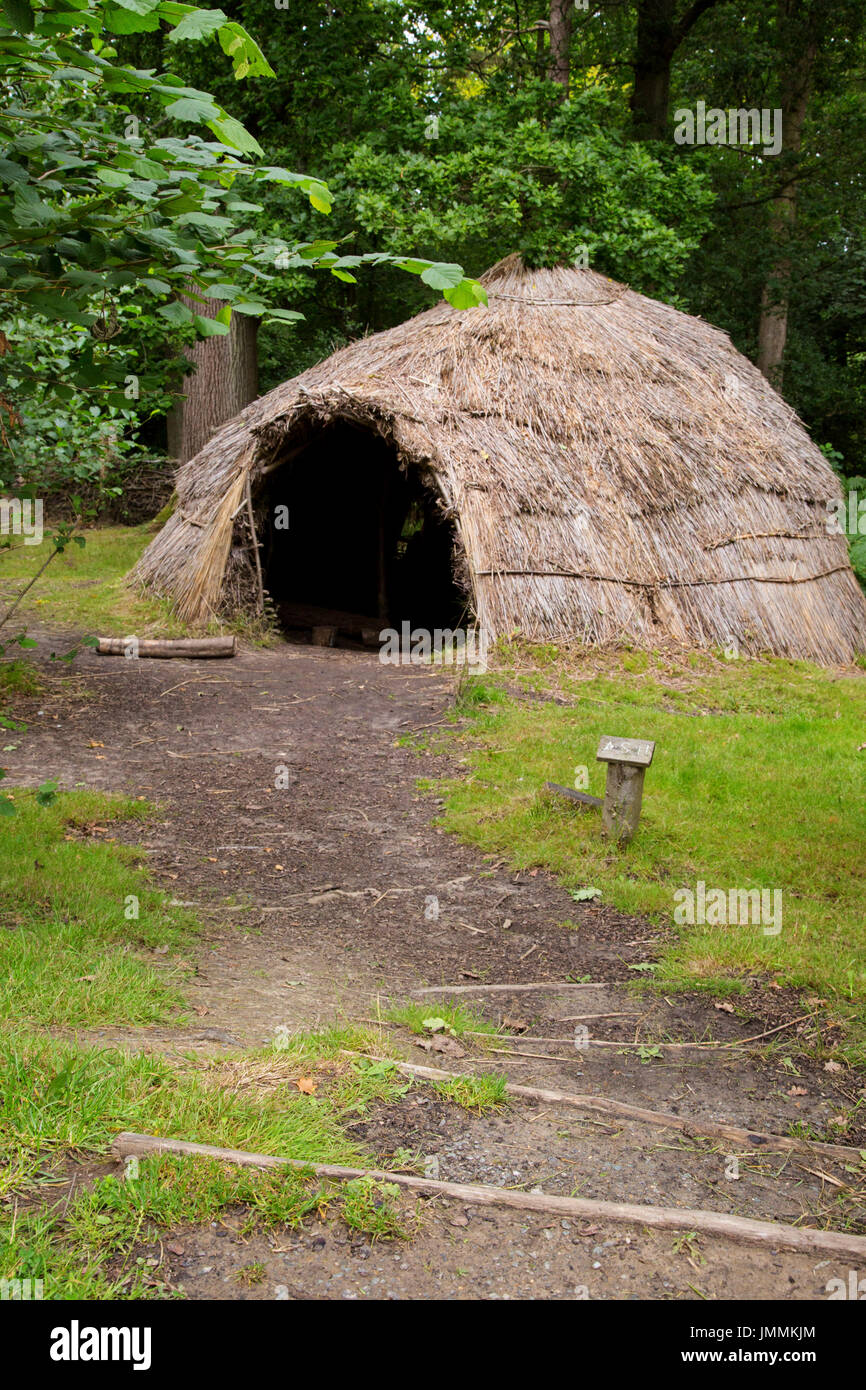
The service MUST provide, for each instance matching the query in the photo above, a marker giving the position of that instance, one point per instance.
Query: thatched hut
(573, 462)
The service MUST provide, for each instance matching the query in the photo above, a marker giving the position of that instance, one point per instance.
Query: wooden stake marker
(627, 761)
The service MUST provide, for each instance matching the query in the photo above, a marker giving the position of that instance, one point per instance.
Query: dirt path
(316, 898)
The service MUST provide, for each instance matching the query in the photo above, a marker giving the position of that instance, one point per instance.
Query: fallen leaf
(798, 1091)
(201, 1010)
(833, 1066)
(838, 1121)
(79, 979)
(434, 1025)
(174, 1249)
(94, 744)
(306, 1085)
(515, 1025)
(721, 1004)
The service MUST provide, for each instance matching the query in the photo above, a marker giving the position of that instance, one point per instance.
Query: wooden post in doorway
(382, 598)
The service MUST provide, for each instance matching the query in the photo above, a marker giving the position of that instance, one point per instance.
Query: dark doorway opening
(353, 543)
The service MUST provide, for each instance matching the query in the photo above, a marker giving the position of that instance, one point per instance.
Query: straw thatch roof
(615, 470)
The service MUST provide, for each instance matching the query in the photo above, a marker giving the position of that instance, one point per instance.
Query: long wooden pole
(252, 520)
(766, 1233)
(601, 1105)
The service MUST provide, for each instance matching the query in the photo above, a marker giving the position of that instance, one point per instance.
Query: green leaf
(467, 295)
(47, 792)
(176, 313)
(233, 134)
(125, 22)
(247, 58)
(138, 6)
(198, 24)
(210, 328)
(20, 15)
(193, 109)
(150, 169)
(180, 202)
(443, 277)
(10, 172)
(112, 178)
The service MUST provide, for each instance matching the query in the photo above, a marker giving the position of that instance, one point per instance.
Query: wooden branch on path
(770, 1234)
(602, 1105)
(508, 989)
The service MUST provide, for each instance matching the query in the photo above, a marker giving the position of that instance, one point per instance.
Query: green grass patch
(61, 1100)
(458, 1017)
(85, 586)
(478, 1093)
(86, 589)
(757, 782)
(58, 1101)
(368, 1205)
(76, 914)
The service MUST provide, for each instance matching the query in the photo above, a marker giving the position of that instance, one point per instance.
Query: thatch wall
(614, 468)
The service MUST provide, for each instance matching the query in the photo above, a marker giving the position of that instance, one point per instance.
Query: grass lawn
(757, 782)
(77, 913)
(85, 585)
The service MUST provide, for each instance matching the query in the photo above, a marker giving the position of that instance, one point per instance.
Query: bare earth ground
(337, 868)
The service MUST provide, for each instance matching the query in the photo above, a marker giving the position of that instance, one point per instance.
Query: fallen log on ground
(601, 1105)
(583, 799)
(712, 1223)
(165, 647)
(509, 989)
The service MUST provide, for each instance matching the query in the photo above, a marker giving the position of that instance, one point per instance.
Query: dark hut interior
(353, 543)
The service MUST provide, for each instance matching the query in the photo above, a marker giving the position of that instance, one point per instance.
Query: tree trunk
(226, 378)
(654, 52)
(561, 21)
(659, 35)
(775, 296)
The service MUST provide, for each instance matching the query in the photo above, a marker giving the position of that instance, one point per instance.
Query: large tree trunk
(561, 21)
(797, 67)
(226, 378)
(659, 35)
(654, 51)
